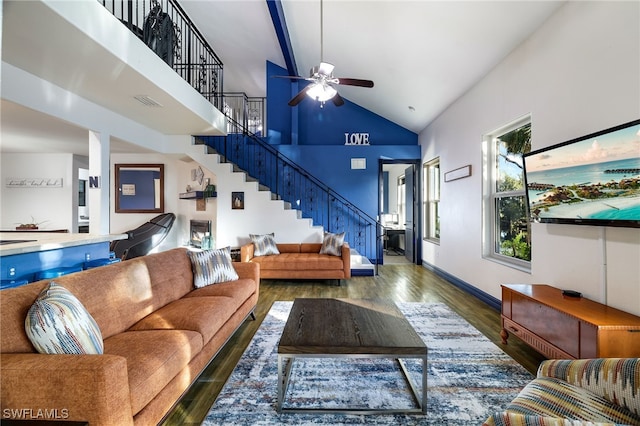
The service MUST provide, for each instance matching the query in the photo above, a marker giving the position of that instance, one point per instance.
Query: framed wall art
(237, 200)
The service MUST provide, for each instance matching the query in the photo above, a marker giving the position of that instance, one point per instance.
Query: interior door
(409, 224)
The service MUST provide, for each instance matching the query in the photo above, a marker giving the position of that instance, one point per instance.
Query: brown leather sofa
(300, 261)
(159, 334)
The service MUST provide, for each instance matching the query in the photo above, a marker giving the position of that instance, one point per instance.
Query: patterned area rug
(468, 378)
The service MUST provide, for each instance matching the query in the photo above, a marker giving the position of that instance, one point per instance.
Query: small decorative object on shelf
(27, 226)
(206, 243)
(31, 225)
(210, 191)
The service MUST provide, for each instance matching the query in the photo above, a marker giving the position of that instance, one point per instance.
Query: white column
(99, 174)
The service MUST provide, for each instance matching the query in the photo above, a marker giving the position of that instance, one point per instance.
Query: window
(402, 198)
(431, 200)
(506, 224)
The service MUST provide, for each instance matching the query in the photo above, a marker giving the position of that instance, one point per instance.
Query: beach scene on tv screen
(595, 178)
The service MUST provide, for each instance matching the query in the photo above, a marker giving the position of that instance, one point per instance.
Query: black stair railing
(292, 184)
(194, 59)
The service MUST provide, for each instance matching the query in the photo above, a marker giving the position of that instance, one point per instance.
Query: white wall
(578, 74)
(261, 214)
(51, 207)
(187, 209)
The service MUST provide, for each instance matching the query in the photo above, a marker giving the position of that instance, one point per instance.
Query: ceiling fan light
(321, 92)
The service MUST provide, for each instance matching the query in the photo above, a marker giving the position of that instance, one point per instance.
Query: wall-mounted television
(590, 180)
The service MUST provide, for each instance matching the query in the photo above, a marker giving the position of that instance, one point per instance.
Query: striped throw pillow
(264, 245)
(58, 323)
(332, 244)
(212, 266)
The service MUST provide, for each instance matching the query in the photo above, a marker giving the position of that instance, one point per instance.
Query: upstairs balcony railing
(193, 59)
(188, 52)
(245, 114)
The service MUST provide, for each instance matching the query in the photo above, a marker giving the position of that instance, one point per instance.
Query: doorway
(399, 210)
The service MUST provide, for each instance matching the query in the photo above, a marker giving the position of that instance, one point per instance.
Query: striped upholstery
(513, 419)
(58, 323)
(616, 379)
(547, 396)
(264, 245)
(601, 391)
(212, 266)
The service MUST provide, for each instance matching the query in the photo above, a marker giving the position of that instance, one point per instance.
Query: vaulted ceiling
(422, 55)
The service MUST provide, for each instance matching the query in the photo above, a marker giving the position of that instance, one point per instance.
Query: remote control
(571, 293)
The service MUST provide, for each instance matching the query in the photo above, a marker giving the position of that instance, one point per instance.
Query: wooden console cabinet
(561, 327)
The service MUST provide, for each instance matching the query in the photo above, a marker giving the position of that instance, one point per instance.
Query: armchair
(604, 391)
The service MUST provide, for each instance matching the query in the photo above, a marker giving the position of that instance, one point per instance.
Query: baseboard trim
(368, 272)
(474, 291)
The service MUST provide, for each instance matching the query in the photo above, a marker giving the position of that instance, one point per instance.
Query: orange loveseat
(159, 333)
(300, 261)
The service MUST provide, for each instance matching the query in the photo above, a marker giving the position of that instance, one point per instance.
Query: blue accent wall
(332, 165)
(314, 138)
(328, 125)
(279, 123)
(310, 124)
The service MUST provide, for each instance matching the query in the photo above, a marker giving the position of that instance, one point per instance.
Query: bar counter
(25, 255)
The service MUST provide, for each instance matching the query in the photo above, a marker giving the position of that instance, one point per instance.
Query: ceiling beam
(280, 26)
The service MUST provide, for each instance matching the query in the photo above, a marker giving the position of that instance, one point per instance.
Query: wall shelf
(194, 195)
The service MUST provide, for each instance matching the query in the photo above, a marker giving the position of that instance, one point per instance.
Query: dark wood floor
(400, 283)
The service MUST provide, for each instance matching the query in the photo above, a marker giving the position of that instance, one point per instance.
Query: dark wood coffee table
(349, 328)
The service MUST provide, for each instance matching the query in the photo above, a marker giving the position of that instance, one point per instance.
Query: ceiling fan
(322, 80)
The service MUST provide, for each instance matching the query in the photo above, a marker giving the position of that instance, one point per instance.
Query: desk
(395, 239)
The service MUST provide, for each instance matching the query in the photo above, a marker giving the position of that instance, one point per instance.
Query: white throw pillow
(264, 245)
(332, 244)
(212, 266)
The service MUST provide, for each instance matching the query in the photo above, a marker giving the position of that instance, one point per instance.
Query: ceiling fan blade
(355, 82)
(300, 96)
(337, 100)
(291, 77)
(325, 68)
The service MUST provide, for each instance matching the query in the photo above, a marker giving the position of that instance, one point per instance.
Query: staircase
(290, 188)
(286, 220)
